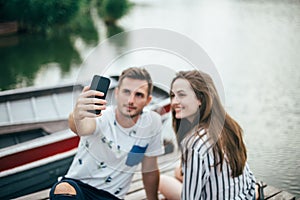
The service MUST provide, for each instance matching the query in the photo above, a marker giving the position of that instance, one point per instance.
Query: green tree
(37, 15)
(112, 10)
(82, 24)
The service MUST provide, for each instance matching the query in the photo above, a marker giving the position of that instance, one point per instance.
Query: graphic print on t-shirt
(136, 155)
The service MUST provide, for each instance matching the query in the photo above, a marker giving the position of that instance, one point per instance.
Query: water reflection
(83, 26)
(26, 57)
(21, 61)
(23, 55)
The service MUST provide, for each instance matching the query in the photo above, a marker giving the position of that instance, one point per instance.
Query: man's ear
(116, 91)
(149, 99)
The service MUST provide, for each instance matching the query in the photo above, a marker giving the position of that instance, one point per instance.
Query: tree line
(42, 16)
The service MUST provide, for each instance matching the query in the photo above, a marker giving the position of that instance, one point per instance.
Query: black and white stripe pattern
(204, 181)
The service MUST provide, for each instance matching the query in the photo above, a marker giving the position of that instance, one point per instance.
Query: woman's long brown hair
(224, 131)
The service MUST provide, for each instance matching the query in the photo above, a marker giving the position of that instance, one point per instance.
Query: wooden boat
(36, 145)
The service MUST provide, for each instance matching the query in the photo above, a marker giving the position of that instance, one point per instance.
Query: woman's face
(183, 100)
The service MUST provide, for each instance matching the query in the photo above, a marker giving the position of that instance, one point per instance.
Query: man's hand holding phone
(89, 105)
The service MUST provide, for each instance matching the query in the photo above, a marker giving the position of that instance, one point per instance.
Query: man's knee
(64, 188)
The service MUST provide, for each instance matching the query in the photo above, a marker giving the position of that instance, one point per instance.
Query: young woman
(213, 152)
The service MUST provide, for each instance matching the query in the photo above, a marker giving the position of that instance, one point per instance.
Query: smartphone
(99, 83)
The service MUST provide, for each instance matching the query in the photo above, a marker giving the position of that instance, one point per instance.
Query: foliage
(37, 15)
(82, 24)
(45, 16)
(112, 10)
(113, 29)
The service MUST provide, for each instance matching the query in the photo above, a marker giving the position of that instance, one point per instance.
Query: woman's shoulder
(199, 142)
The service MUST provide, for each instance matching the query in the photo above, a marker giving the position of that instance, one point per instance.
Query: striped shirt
(202, 180)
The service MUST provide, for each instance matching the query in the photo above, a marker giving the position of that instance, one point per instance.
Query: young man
(113, 143)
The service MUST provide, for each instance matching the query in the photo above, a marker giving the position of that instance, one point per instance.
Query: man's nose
(131, 98)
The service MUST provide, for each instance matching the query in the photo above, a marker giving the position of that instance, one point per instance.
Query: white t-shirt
(108, 159)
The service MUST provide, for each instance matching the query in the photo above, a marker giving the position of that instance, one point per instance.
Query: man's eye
(140, 95)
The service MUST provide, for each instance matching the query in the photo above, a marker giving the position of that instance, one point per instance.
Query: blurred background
(254, 45)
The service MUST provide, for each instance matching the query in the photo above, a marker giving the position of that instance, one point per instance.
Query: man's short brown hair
(137, 73)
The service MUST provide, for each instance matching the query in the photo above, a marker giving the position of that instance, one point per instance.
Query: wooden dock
(166, 163)
(8, 27)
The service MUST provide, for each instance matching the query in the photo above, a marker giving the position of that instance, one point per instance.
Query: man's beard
(129, 115)
(132, 115)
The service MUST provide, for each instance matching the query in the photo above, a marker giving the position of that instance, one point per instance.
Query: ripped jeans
(83, 192)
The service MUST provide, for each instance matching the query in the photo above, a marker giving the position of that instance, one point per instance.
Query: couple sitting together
(113, 143)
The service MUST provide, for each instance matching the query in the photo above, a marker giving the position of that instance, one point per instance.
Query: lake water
(254, 45)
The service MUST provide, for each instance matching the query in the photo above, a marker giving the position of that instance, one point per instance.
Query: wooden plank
(4, 117)
(167, 164)
(8, 107)
(284, 195)
(141, 194)
(48, 126)
(272, 193)
(26, 93)
(137, 181)
(34, 109)
(136, 190)
(41, 195)
(8, 27)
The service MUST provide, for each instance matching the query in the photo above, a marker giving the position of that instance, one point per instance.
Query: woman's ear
(199, 103)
